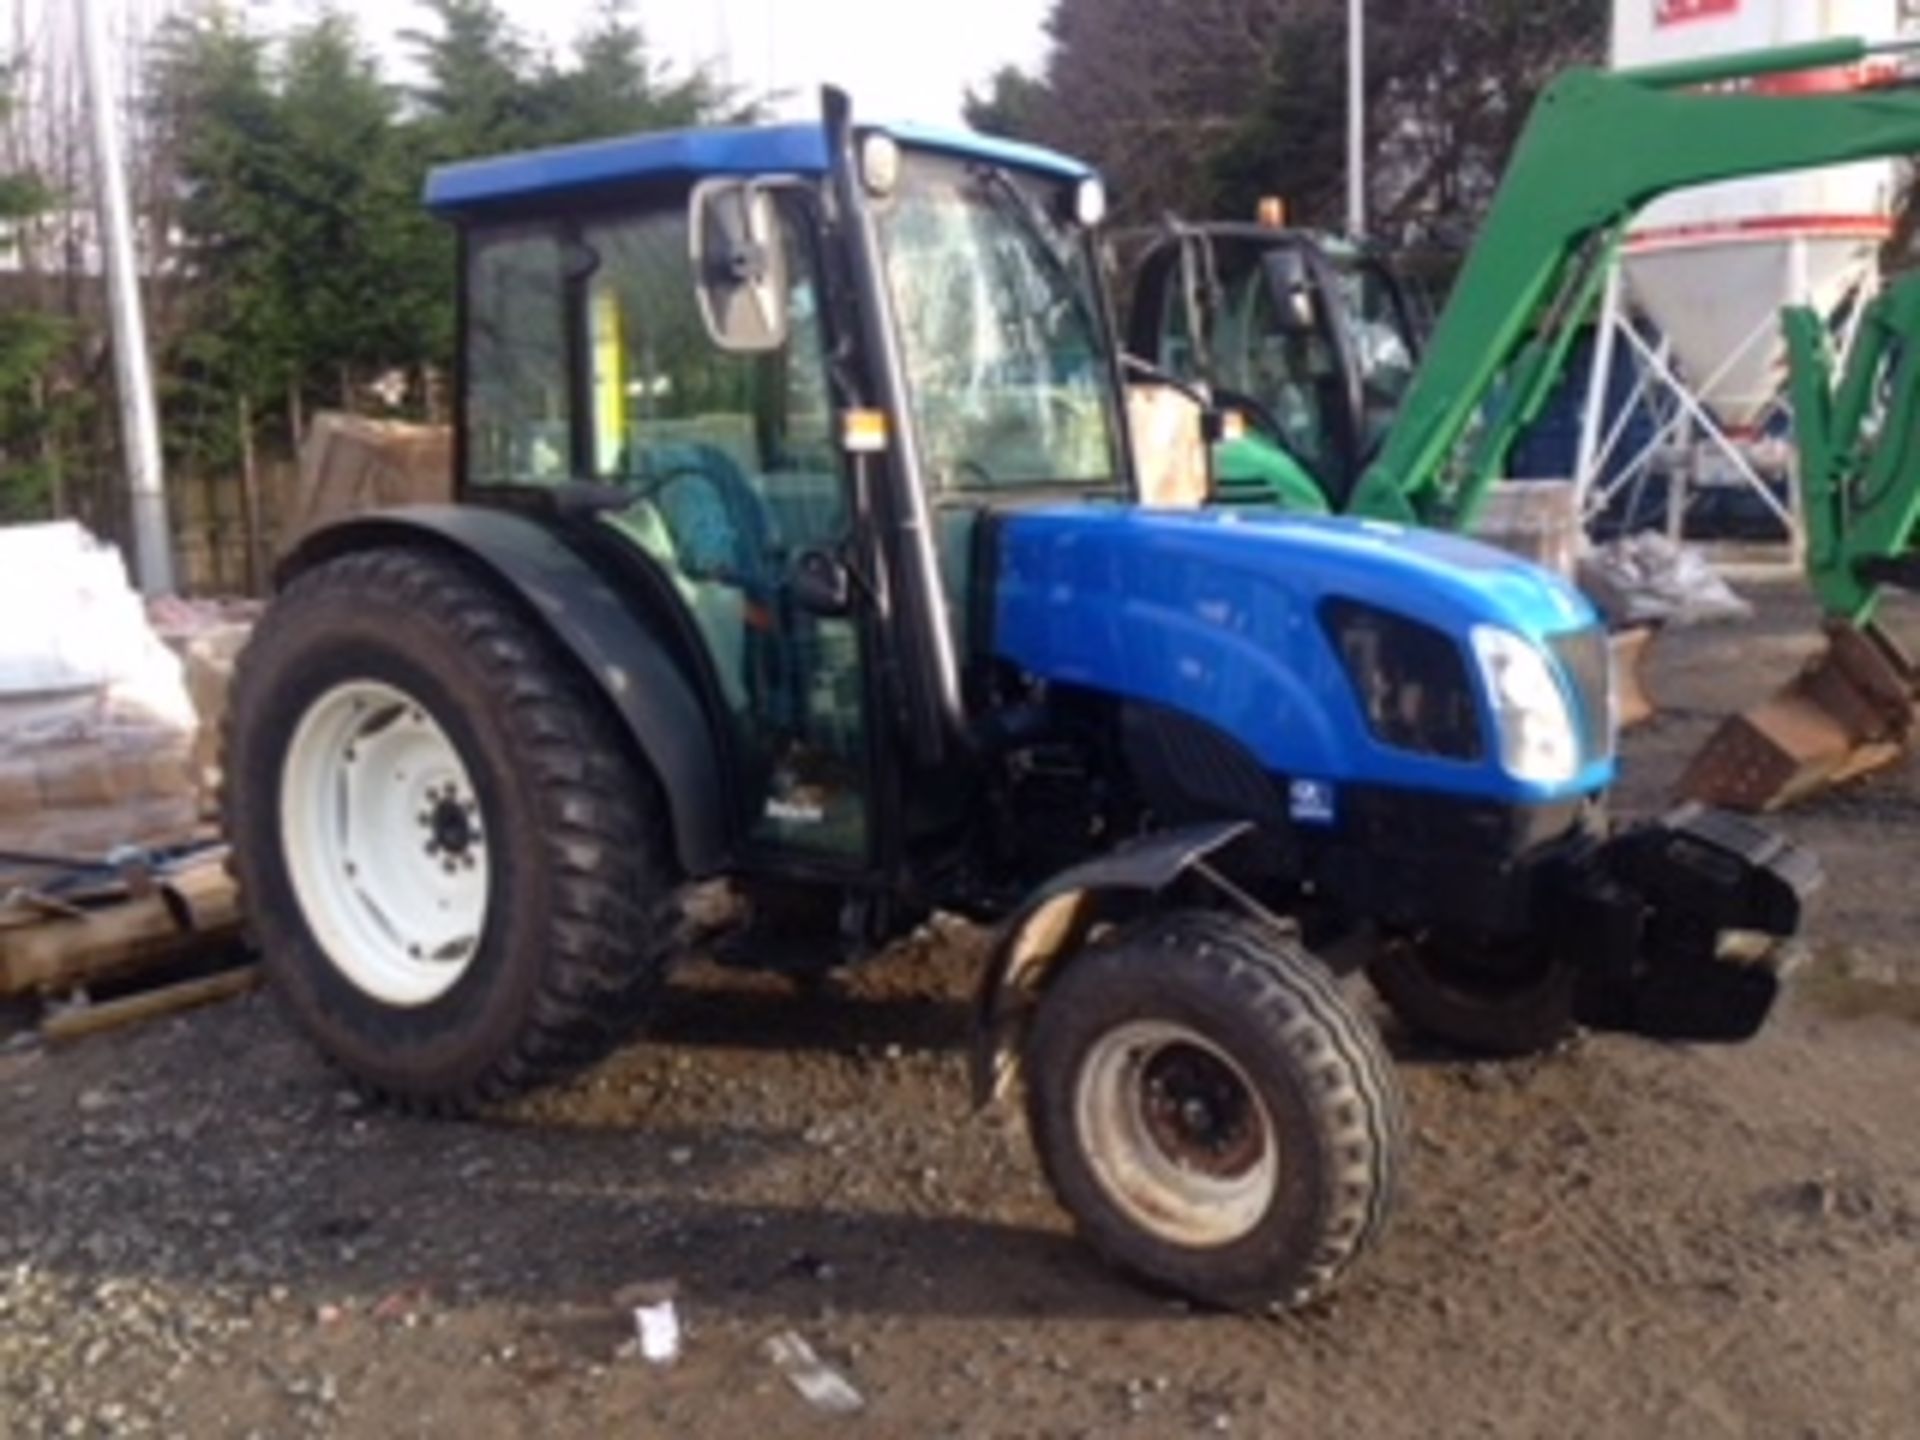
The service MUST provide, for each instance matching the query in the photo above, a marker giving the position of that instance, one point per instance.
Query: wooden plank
(148, 1005)
(124, 938)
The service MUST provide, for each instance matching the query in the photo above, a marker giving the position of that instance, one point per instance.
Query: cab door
(723, 469)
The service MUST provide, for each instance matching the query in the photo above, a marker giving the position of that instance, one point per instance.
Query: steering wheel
(712, 513)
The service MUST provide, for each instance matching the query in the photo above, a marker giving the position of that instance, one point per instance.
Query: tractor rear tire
(456, 868)
(1474, 1006)
(1213, 1112)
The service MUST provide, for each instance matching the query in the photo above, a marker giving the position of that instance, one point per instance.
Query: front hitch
(1651, 913)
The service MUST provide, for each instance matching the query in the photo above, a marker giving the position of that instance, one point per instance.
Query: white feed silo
(1711, 267)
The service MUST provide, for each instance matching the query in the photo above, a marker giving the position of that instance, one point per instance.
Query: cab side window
(733, 472)
(516, 358)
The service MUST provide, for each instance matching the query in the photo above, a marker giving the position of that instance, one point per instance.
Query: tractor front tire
(1501, 1009)
(456, 869)
(1212, 1111)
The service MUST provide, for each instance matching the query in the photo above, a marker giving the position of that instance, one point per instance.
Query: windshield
(1000, 332)
(1290, 362)
(1382, 348)
(1282, 360)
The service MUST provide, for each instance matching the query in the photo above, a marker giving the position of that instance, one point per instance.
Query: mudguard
(1055, 919)
(602, 632)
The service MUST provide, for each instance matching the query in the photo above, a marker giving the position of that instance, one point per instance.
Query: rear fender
(1056, 920)
(613, 644)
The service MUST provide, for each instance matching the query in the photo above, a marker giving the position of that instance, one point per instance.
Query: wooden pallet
(123, 934)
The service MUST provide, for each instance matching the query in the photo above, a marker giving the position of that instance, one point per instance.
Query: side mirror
(1292, 284)
(739, 265)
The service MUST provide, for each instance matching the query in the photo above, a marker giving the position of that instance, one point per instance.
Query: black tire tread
(1358, 1099)
(1531, 1019)
(603, 819)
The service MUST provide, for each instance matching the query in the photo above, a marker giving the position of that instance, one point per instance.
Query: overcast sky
(901, 59)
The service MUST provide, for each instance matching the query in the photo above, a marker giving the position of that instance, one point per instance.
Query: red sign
(1678, 12)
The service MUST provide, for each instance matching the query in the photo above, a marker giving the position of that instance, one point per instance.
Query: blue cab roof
(684, 156)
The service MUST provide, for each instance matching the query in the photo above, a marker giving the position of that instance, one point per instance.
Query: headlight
(1537, 739)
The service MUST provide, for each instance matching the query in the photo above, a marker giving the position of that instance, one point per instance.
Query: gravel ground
(203, 1234)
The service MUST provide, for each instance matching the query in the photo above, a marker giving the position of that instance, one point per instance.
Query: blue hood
(1216, 613)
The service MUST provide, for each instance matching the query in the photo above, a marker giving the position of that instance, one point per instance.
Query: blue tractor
(799, 548)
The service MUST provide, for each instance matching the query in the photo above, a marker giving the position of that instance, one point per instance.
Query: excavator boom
(1598, 147)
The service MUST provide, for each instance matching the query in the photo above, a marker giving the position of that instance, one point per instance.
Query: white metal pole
(139, 421)
(1587, 459)
(1356, 118)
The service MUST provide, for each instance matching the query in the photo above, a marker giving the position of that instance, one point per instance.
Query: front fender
(612, 643)
(1055, 919)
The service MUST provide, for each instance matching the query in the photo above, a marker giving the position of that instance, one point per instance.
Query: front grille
(1409, 678)
(1585, 659)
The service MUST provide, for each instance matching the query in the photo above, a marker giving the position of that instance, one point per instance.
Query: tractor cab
(790, 368)
(1310, 339)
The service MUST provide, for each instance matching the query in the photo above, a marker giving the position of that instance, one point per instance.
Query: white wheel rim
(1175, 1134)
(385, 842)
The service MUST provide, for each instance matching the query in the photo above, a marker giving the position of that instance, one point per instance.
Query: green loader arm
(1598, 147)
(1860, 486)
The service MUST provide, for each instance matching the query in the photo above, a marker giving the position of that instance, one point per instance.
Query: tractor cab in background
(1309, 340)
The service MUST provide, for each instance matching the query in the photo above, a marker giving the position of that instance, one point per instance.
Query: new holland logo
(1678, 12)
(1311, 802)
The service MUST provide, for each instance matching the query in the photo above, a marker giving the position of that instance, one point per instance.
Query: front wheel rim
(385, 842)
(1176, 1134)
